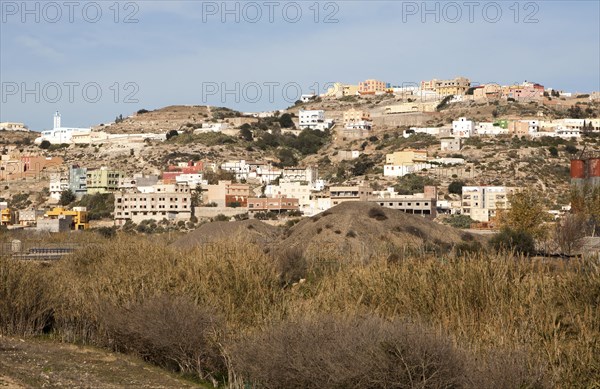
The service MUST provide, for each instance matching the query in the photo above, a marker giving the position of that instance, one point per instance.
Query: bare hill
(360, 229)
(253, 231)
(33, 363)
(160, 120)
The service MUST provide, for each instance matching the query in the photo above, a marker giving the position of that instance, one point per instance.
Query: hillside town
(300, 194)
(271, 188)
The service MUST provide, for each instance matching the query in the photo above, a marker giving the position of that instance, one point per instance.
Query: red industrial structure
(586, 169)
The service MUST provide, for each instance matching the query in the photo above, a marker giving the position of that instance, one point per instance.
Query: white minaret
(57, 120)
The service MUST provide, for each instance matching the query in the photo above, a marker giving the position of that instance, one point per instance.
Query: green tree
(66, 197)
(553, 151)
(571, 149)
(519, 241)
(245, 132)
(45, 145)
(172, 133)
(285, 121)
(455, 187)
(526, 214)
(287, 157)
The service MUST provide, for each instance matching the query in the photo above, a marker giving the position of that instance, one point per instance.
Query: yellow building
(356, 115)
(371, 86)
(79, 217)
(10, 126)
(103, 180)
(6, 217)
(340, 90)
(455, 86)
(406, 157)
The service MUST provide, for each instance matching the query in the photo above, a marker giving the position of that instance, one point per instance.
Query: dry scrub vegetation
(232, 315)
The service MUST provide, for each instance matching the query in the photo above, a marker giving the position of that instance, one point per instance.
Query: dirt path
(41, 363)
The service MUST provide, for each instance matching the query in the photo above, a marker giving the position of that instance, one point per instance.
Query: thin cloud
(39, 48)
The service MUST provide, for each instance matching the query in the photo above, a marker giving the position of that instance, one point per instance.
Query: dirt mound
(160, 120)
(359, 230)
(253, 231)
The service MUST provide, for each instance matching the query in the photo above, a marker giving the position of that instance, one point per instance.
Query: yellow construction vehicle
(6, 218)
(79, 217)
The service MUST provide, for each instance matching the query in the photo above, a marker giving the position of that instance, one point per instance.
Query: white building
(241, 169)
(450, 144)
(191, 179)
(359, 125)
(309, 175)
(59, 182)
(314, 119)
(267, 174)
(292, 190)
(171, 202)
(59, 134)
(481, 203)
(463, 128)
(307, 98)
(488, 128)
(211, 127)
(402, 170)
(10, 126)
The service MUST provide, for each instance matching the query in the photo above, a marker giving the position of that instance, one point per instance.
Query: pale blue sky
(177, 49)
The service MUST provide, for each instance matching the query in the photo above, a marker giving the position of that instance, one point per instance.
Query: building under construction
(585, 170)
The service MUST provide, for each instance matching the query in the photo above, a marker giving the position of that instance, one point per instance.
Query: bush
(335, 352)
(455, 187)
(293, 266)
(571, 149)
(66, 197)
(377, 214)
(170, 332)
(518, 241)
(459, 221)
(45, 145)
(285, 121)
(107, 232)
(172, 134)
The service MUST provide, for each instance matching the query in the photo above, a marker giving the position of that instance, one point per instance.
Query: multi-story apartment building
(405, 157)
(455, 86)
(296, 190)
(371, 87)
(463, 128)
(279, 204)
(313, 119)
(340, 194)
(59, 182)
(294, 174)
(340, 90)
(356, 115)
(226, 193)
(525, 92)
(417, 204)
(171, 202)
(103, 180)
(481, 203)
(400, 163)
(78, 180)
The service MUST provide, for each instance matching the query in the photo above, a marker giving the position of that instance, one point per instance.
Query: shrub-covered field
(232, 315)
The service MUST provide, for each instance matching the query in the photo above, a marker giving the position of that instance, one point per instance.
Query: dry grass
(490, 306)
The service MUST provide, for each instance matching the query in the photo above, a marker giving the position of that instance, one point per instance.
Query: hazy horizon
(93, 61)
